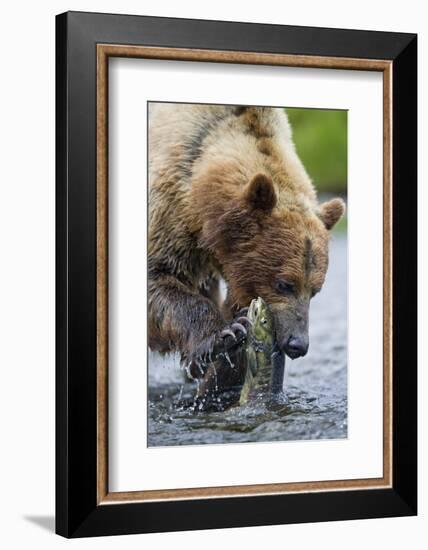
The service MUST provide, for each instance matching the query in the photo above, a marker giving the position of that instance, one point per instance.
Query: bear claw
(244, 320)
(238, 326)
(227, 332)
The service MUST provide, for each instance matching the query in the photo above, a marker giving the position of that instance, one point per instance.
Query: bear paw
(232, 336)
(225, 342)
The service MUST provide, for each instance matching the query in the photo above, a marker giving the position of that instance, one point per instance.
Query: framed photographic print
(236, 274)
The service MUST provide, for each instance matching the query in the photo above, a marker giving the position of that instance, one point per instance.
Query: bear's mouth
(276, 349)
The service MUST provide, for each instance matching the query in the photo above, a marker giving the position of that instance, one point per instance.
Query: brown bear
(229, 198)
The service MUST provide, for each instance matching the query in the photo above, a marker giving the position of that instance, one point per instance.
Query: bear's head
(274, 248)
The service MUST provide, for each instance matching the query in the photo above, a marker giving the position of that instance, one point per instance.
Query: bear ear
(260, 193)
(330, 212)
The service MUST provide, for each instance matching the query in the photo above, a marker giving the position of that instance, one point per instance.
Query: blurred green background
(320, 136)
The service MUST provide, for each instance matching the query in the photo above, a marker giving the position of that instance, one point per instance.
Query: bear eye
(284, 287)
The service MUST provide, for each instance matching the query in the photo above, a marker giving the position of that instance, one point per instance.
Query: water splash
(215, 376)
(226, 356)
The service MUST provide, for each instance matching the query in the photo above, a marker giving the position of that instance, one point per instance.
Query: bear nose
(295, 347)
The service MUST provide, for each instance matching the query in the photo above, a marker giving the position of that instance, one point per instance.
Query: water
(314, 405)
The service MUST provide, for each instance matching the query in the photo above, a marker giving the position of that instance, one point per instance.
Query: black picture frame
(77, 512)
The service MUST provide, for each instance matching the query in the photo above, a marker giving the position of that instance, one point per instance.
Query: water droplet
(180, 395)
(215, 377)
(228, 360)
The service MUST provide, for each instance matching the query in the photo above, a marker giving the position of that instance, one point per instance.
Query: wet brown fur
(228, 198)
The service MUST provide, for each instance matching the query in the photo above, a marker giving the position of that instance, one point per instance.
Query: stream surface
(314, 404)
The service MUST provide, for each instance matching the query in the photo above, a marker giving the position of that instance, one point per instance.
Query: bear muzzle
(291, 324)
(295, 346)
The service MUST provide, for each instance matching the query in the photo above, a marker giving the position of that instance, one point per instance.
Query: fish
(264, 363)
(255, 372)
